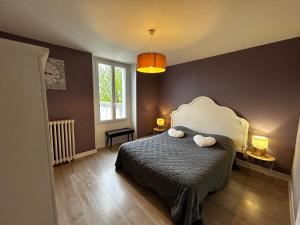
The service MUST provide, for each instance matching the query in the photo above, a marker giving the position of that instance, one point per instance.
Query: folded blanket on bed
(175, 133)
(204, 141)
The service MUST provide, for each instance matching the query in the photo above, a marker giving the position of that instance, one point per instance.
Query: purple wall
(77, 101)
(262, 84)
(147, 99)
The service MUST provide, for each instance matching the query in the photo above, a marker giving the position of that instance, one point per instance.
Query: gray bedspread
(179, 170)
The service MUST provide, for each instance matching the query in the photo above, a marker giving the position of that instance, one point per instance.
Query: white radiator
(62, 140)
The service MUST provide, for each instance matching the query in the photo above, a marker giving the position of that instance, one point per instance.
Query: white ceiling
(186, 29)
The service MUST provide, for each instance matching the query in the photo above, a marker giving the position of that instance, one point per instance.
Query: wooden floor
(90, 192)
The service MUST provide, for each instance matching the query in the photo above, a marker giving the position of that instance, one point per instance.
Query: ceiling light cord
(151, 44)
(151, 32)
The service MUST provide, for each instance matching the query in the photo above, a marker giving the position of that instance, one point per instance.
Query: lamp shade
(260, 142)
(151, 62)
(160, 121)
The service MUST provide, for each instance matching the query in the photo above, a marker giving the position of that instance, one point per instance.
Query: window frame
(113, 64)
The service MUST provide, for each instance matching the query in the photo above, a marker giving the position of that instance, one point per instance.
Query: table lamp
(160, 122)
(260, 144)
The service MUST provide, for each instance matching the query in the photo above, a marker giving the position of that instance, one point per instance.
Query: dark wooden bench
(119, 132)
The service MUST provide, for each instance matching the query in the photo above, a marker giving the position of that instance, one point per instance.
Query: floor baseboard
(82, 154)
(272, 173)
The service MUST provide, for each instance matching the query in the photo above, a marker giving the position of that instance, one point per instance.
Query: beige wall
(296, 177)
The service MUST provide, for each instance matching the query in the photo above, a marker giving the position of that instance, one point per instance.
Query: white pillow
(175, 133)
(204, 141)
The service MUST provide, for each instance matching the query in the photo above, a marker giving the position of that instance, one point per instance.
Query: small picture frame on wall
(55, 74)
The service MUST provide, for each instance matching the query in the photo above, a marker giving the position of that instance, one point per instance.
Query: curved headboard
(205, 116)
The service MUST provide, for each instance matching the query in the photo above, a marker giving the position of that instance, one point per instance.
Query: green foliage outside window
(118, 85)
(105, 89)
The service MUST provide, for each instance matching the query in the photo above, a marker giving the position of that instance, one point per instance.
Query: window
(120, 92)
(111, 91)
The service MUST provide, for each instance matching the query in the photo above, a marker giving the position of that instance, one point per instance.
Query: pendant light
(151, 62)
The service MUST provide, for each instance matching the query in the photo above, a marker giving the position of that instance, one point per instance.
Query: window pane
(120, 92)
(105, 91)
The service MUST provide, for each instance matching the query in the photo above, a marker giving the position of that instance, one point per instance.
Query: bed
(179, 170)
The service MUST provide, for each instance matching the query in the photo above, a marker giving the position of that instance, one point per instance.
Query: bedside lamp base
(259, 152)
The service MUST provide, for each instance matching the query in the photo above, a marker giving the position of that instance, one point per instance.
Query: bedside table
(159, 130)
(266, 160)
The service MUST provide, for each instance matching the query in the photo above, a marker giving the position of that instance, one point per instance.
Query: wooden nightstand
(159, 130)
(266, 160)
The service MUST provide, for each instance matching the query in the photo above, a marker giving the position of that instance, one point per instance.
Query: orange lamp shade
(160, 121)
(151, 62)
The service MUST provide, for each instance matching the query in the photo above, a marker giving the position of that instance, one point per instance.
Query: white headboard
(205, 116)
